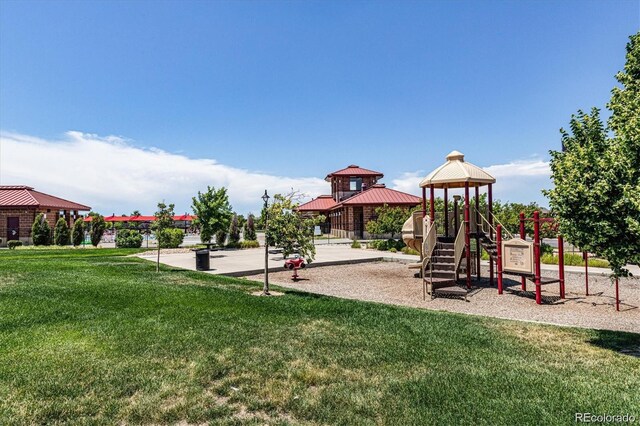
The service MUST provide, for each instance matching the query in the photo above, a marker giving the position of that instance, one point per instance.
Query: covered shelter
(456, 173)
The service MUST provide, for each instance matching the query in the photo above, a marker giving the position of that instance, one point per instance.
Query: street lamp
(265, 288)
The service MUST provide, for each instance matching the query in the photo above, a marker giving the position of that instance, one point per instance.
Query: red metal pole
(499, 244)
(536, 255)
(467, 240)
(446, 212)
(432, 206)
(523, 235)
(491, 259)
(424, 202)
(617, 297)
(561, 264)
(585, 256)
(478, 250)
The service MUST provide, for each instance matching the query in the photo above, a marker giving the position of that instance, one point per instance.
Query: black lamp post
(265, 288)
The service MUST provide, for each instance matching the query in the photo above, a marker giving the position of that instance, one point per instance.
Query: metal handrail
(428, 242)
(458, 247)
(491, 226)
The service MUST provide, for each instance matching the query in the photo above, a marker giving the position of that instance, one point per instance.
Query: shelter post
(432, 207)
(467, 241)
(523, 236)
(424, 202)
(499, 246)
(561, 264)
(536, 255)
(446, 212)
(490, 218)
(478, 221)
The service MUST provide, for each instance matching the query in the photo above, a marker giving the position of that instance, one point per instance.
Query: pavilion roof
(26, 196)
(322, 203)
(379, 194)
(455, 173)
(354, 170)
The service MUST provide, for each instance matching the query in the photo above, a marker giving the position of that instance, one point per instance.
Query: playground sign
(517, 256)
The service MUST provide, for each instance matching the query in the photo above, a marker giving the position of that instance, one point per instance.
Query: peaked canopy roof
(455, 173)
(380, 194)
(26, 196)
(354, 170)
(323, 202)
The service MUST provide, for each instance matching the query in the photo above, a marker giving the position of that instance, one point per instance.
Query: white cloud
(114, 176)
(516, 181)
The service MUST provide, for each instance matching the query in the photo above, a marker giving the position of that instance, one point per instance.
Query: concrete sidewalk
(239, 263)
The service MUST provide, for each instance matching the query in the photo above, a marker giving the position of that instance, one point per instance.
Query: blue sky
(255, 91)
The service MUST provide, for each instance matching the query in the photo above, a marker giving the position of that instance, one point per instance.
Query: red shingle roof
(379, 194)
(354, 170)
(323, 202)
(25, 196)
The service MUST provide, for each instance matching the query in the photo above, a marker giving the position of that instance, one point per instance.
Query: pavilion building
(19, 206)
(355, 196)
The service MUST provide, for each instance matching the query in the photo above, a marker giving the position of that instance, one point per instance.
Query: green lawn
(93, 336)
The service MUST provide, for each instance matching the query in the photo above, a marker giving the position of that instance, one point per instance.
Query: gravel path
(393, 283)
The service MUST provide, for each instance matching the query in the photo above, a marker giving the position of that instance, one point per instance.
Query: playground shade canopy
(455, 173)
(184, 217)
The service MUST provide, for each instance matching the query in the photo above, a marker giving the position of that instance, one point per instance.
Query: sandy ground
(393, 283)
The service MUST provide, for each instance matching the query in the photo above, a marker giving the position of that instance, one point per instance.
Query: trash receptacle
(202, 260)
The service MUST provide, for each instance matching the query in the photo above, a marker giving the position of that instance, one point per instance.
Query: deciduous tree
(213, 212)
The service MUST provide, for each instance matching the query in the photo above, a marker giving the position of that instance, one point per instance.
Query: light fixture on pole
(265, 288)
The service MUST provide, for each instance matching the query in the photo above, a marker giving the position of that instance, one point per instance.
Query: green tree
(234, 231)
(389, 220)
(40, 231)
(221, 237)
(213, 211)
(250, 229)
(163, 222)
(289, 230)
(61, 233)
(97, 228)
(77, 232)
(597, 177)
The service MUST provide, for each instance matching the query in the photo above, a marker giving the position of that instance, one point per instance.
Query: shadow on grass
(618, 341)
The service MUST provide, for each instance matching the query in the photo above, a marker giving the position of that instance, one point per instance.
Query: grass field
(95, 337)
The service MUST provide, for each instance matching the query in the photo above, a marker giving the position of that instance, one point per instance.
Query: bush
(356, 244)
(233, 245)
(381, 245)
(574, 260)
(13, 244)
(61, 233)
(221, 237)
(98, 225)
(234, 232)
(40, 231)
(546, 249)
(129, 238)
(409, 250)
(77, 232)
(247, 244)
(250, 229)
(170, 238)
(393, 250)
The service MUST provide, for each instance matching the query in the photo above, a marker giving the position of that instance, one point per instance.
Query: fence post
(499, 244)
(561, 264)
(536, 255)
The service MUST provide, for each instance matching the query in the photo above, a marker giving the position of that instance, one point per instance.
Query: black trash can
(202, 260)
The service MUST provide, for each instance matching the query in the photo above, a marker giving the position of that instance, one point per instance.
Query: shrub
(98, 225)
(40, 231)
(61, 233)
(233, 245)
(234, 231)
(129, 238)
(546, 249)
(393, 250)
(77, 232)
(356, 244)
(13, 244)
(409, 250)
(221, 237)
(382, 245)
(170, 238)
(574, 260)
(250, 229)
(247, 244)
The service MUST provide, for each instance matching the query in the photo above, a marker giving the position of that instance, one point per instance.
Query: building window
(355, 184)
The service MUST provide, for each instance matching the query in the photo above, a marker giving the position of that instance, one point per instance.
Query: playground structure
(446, 255)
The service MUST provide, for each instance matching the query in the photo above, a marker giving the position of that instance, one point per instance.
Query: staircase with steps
(488, 244)
(441, 277)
